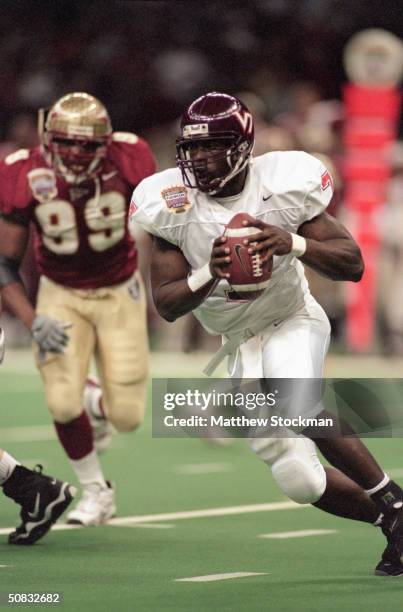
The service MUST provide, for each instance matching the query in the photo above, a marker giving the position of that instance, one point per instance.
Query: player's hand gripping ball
(248, 274)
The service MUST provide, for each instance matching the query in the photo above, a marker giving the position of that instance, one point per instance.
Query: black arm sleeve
(9, 271)
(16, 218)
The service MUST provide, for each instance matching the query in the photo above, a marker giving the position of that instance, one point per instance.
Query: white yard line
(32, 433)
(202, 468)
(215, 577)
(151, 526)
(283, 535)
(41, 433)
(58, 527)
(206, 513)
(189, 514)
(395, 472)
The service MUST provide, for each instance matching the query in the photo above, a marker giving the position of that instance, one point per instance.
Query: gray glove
(49, 334)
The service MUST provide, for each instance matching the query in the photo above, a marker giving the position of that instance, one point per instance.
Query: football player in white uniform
(284, 333)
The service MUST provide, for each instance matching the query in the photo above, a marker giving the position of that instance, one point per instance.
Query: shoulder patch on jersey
(132, 209)
(42, 182)
(19, 155)
(176, 199)
(326, 180)
(128, 137)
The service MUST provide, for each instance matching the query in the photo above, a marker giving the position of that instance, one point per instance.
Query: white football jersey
(282, 188)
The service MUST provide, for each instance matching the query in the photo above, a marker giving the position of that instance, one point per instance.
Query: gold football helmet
(76, 133)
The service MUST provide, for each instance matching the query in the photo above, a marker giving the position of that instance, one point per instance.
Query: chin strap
(97, 191)
(239, 166)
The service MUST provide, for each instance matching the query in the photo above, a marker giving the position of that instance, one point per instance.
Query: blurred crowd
(147, 60)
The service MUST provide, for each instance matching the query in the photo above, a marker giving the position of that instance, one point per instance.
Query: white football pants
(293, 348)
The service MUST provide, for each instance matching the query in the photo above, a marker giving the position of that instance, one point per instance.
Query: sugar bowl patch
(43, 184)
(176, 199)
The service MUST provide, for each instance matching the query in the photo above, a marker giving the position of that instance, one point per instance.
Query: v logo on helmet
(245, 119)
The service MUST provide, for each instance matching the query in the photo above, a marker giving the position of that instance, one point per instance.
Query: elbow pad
(9, 271)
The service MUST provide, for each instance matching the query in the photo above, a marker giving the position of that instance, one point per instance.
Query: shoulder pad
(20, 155)
(128, 137)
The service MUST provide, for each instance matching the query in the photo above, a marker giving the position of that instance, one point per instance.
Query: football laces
(257, 264)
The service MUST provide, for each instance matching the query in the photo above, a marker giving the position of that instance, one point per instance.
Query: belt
(229, 346)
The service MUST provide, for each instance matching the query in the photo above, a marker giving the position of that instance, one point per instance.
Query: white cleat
(101, 427)
(95, 507)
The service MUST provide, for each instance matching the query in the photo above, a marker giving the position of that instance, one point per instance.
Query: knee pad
(271, 448)
(299, 473)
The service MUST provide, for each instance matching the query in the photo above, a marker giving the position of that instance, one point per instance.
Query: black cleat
(42, 499)
(388, 568)
(391, 563)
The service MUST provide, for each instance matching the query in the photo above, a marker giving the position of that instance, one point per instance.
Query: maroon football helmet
(221, 119)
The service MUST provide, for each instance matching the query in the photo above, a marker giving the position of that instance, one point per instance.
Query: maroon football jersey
(82, 240)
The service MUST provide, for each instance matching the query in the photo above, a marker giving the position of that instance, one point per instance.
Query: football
(249, 277)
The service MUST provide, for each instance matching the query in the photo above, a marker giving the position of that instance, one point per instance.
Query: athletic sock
(88, 470)
(387, 495)
(76, 436)
(76, 439)
(7, 466)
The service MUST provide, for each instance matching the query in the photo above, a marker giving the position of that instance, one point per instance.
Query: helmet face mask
(206, 172)
(77, 132)
(216, 143)
(77, 157)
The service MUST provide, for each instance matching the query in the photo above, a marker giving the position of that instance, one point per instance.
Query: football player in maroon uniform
(75, 191)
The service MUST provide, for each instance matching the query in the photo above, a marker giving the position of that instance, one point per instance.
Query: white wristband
(298, 246)
(199, 278)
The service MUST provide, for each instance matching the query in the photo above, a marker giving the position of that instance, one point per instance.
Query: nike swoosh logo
(238, 248)
(35, 513)
(267, 197)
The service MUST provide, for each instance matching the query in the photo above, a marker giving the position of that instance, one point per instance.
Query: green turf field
(162, 534)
